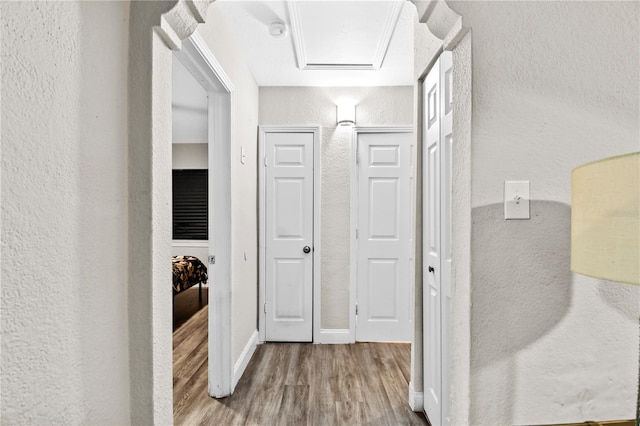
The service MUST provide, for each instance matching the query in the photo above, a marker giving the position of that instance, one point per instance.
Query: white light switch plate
(516, 199)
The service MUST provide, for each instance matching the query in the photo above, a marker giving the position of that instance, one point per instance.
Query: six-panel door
(437, 162)
(289, 236)
(384, 240)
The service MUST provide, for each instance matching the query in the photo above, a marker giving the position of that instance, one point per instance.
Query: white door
(437, 137)
(289, 236)
(384, 236)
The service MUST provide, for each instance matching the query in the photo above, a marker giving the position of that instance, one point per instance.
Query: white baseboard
(335, 336)
(416, 399)
(244, 358)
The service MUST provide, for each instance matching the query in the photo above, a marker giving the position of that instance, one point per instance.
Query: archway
(156, 30)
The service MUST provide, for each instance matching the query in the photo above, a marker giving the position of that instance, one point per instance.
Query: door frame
(353, 267)
(196, 56)
(262, 248)
(446, 25)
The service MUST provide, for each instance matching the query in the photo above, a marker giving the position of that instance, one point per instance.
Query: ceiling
(328, 42)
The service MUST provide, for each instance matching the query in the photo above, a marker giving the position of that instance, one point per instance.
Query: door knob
(431, 269)
(306, 249)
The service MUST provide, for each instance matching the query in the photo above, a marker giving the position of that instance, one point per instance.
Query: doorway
(196, 57)
(289, 210)
(189, 192)
(382, 223)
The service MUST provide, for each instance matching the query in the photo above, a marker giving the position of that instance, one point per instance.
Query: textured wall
(555, 85)
(64, 213)
(317, 105)
(244, 177)
(461, 225)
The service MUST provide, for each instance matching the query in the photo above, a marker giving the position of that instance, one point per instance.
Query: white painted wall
(548, 346)
(317, 105)
(65, 339)
(199, 249)
(189, 106)
(190, 156)
(244, 176)
(555, 85)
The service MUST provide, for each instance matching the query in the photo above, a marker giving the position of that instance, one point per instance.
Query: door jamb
(196, 56)
(317, 170)
(353, 268)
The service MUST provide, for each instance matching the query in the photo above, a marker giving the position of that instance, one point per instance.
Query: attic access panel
(348, 35)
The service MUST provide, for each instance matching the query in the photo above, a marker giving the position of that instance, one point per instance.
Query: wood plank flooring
(295, 384)
(187, 303)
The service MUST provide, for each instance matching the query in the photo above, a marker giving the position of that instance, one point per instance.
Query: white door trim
(198, 59)
(317, 138)
(353, 272)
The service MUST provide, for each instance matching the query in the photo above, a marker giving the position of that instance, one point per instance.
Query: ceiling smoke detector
(278, 29)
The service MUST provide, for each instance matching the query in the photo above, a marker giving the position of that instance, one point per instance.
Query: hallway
(289, 383)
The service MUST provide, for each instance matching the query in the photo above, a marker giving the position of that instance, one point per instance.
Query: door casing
(196, 56)
(353, 273)
(316, 252)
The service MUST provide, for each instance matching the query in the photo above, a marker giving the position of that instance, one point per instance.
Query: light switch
(516, 199)
(243, 155)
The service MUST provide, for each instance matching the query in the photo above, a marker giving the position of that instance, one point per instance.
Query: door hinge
(356, 233)
(356, 309)
(212, 260)
(265, 161)
(357, 156)
(265, 308)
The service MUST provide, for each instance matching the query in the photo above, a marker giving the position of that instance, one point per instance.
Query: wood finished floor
(187, 303)
(295, 384)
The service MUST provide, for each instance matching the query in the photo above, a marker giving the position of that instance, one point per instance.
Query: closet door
(437, 138)
(289, 196)
(384, 241)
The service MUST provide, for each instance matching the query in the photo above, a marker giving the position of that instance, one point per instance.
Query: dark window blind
(190, 204)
